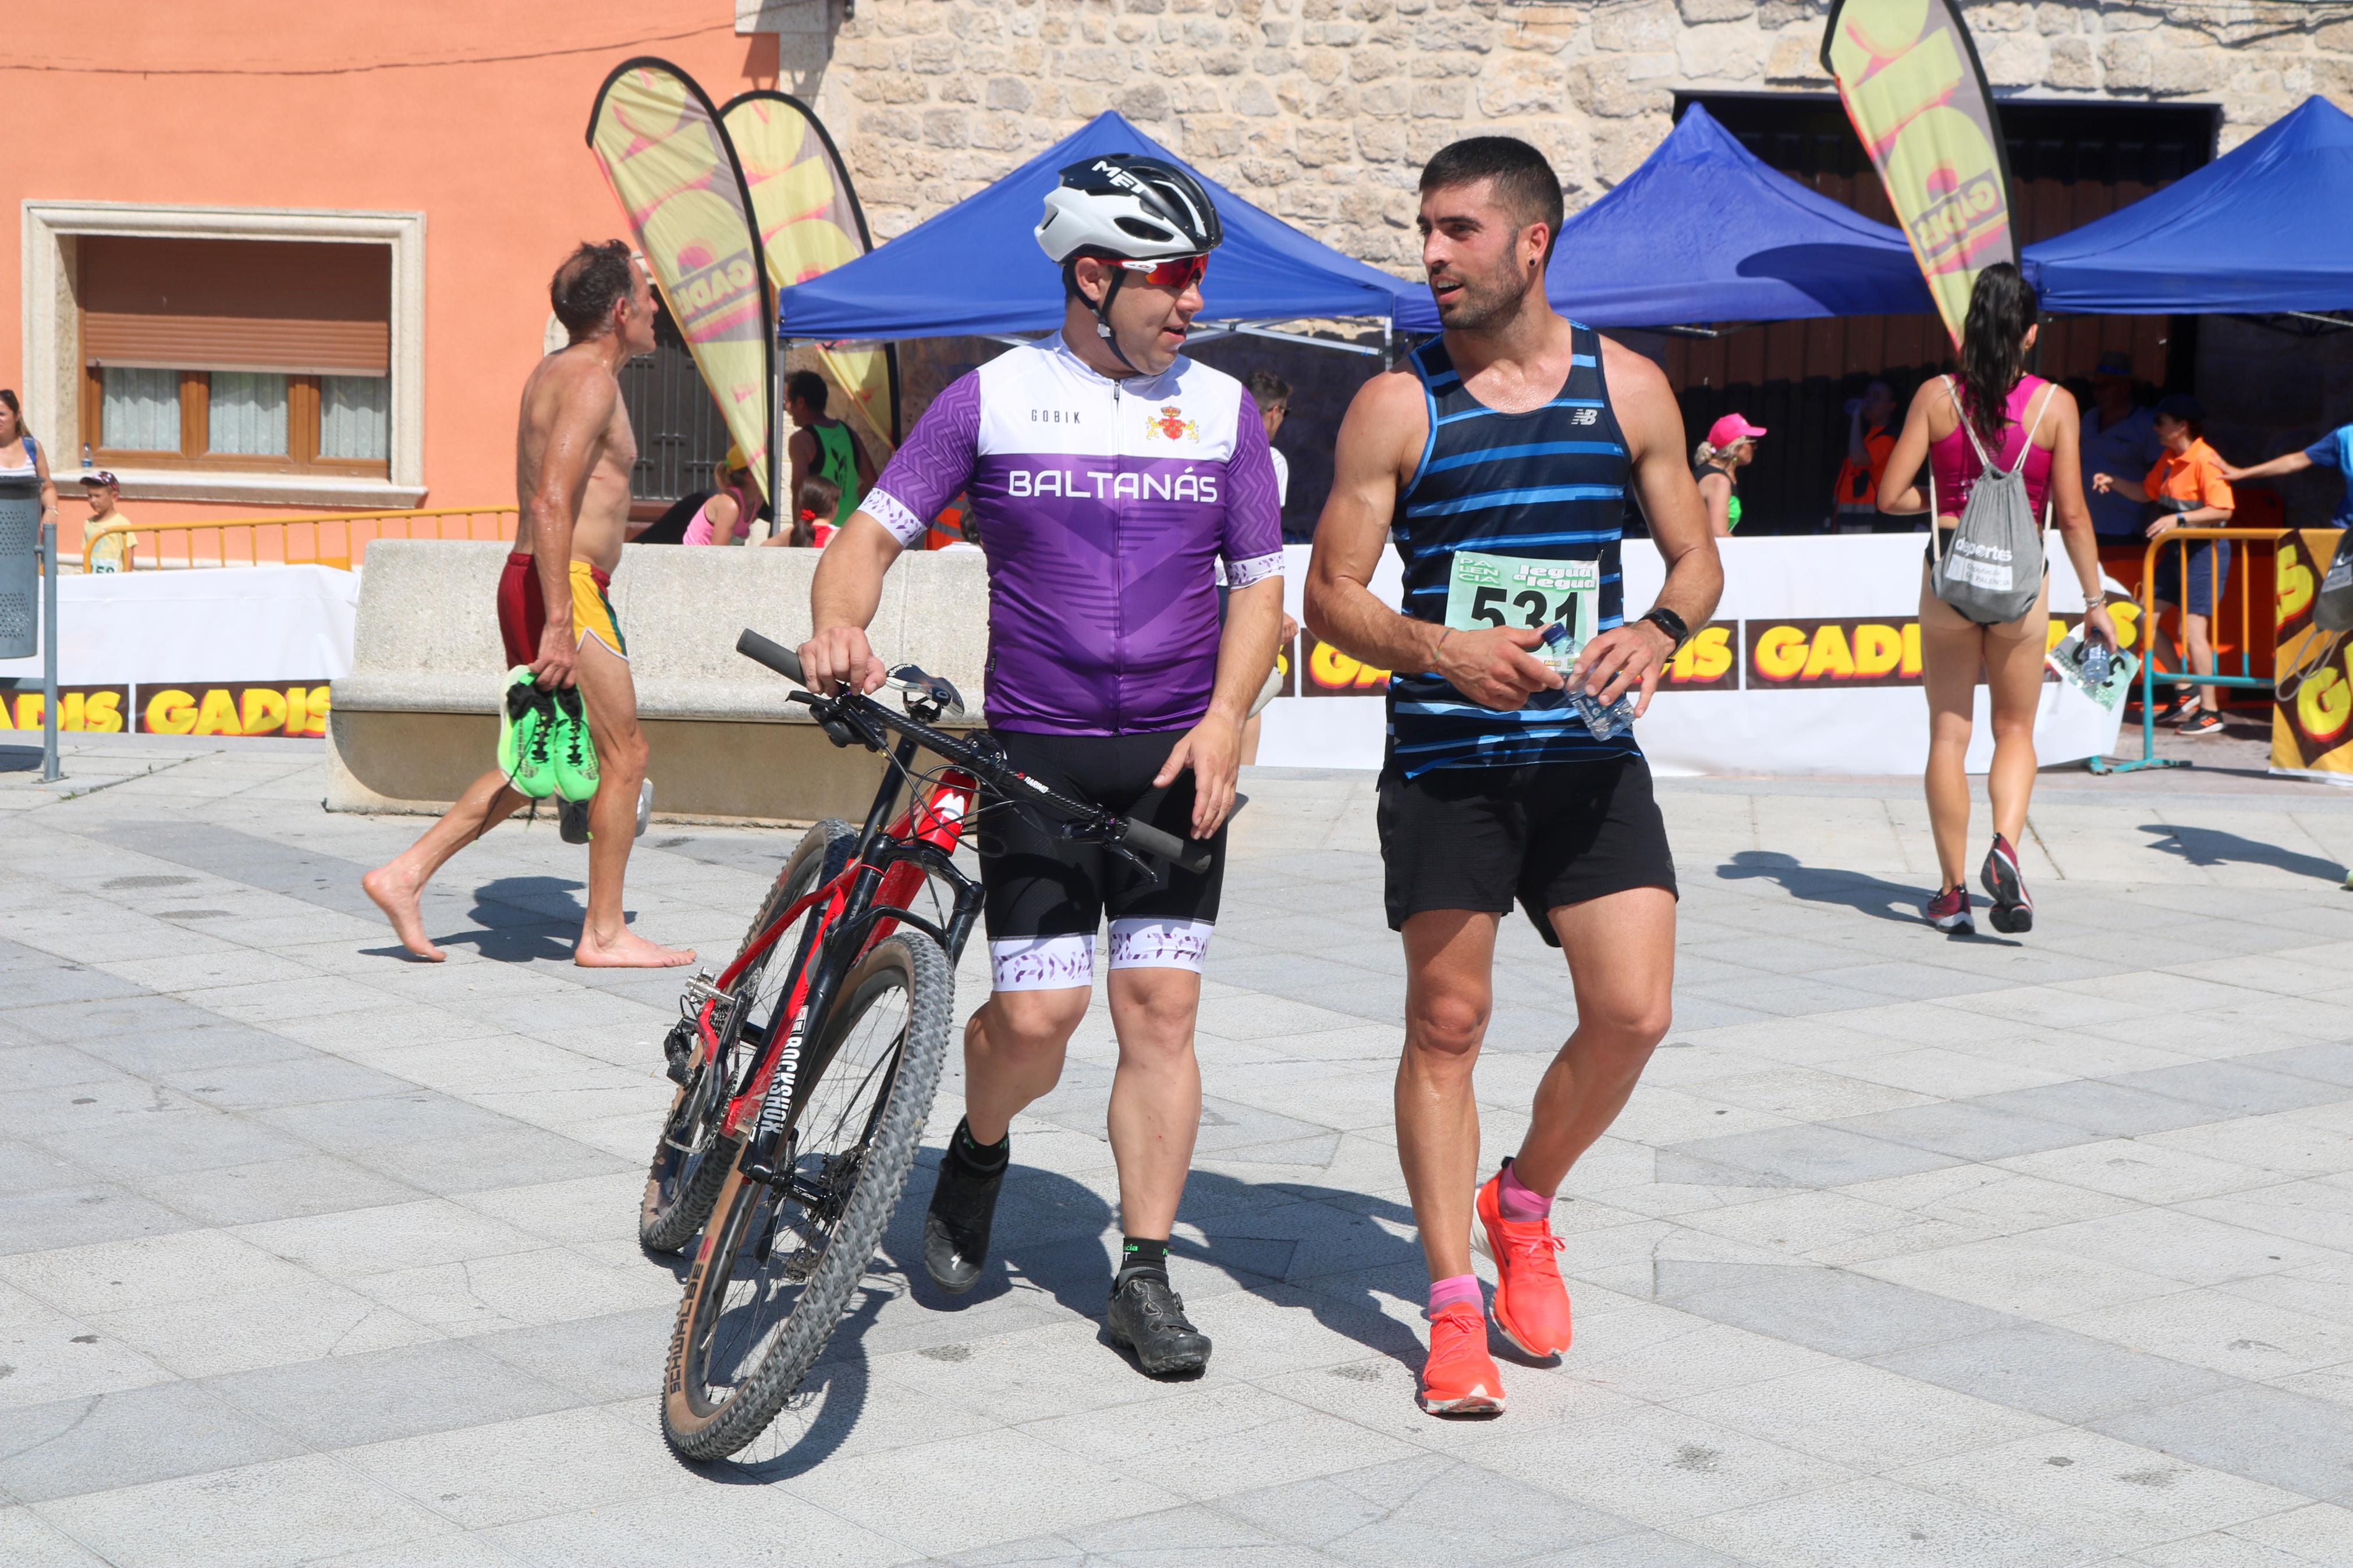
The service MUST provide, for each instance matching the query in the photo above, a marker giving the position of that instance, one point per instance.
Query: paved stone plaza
(1910, 1250)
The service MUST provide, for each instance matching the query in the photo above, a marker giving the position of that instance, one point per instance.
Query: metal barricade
(333, 539)
(20, 555)
(2182, 541)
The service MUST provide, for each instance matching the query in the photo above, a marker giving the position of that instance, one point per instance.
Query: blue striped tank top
(1549, 485)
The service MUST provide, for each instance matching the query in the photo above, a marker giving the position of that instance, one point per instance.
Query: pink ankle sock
(1444, 1293)
(1518, 1202)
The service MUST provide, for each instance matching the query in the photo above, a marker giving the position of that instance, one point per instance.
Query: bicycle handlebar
(1190, 854)
(775, 654)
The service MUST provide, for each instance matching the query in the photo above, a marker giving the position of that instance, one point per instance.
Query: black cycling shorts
(1046, 896)
(1545, 834)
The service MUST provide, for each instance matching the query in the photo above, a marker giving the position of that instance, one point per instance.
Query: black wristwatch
(1667, 621)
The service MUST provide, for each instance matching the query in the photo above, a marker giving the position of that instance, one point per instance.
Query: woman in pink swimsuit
(726, 516)
(2019, 419)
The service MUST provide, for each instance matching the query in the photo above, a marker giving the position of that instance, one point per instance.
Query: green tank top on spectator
(1732, 509)
(837, 460)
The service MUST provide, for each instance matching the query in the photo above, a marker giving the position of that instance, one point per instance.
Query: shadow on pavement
(522, 920)
(1873, 896)
(821, 1413)
(2212, 846)
(1052, 1233)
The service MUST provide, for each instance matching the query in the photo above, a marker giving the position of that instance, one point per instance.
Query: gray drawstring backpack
(1992, 571)
(2332, 607)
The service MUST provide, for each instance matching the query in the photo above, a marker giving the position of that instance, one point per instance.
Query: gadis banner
(1910, 77)
(810, 222)
(659, 142)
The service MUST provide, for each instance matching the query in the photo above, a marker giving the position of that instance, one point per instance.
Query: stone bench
(417, 719)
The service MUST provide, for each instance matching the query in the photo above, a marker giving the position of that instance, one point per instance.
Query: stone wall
(1322, 110)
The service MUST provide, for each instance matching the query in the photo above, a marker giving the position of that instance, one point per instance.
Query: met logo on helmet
(1116, 175)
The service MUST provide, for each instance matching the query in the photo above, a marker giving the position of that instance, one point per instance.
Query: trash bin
(20, 559)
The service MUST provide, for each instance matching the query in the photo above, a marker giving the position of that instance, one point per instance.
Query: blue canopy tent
(1705, 232)
(975, 268)
(2265, 227)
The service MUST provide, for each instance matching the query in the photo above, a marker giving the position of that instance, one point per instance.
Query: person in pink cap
(1730, 446)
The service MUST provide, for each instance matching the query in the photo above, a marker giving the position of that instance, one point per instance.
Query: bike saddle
(927, 696)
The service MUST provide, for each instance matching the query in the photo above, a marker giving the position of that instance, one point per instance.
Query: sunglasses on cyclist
(1181, 273)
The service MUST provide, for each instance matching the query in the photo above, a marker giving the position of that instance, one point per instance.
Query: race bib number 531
(1515, 591)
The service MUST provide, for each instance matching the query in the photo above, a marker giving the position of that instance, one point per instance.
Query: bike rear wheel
(691, 1159)
(778, 1263)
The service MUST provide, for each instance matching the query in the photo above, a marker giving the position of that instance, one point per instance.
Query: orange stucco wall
(472, 113)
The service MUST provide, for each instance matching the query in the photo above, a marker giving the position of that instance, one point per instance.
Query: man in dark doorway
(2119, 437)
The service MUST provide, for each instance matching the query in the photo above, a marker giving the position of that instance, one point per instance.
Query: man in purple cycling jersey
(1109, 477)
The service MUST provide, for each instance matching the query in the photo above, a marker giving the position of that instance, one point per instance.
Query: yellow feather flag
(658, 140)
(1910, 77)
(809, 224)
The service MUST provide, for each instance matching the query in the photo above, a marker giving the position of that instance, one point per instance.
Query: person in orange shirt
(1869, 440)
(2188, 486)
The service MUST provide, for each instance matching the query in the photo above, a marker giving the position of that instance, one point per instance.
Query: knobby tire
(702, 1428)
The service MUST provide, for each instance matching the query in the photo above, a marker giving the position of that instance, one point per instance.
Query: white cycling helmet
(1123, 206)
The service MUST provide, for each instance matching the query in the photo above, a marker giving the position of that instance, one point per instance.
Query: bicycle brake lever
(1101, 833)
(828, 717)
(1141, 864)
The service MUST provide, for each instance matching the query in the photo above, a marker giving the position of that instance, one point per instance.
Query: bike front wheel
(779, 1260)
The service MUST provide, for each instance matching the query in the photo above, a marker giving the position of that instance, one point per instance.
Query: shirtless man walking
(573, 453)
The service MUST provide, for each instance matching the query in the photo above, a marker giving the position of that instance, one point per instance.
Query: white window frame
(53, 366)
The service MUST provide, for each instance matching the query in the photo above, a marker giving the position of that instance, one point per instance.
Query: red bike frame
(938, 821)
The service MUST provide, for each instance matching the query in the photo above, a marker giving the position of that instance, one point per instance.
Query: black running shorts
(1046, 896)
(1545, 834)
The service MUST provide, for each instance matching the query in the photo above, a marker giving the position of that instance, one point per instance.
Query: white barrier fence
(1811, 665)
(247, 650)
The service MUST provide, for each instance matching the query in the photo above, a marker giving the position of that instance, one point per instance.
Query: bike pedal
(698, 990)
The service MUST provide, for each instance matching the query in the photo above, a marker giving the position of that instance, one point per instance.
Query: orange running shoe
(1531, 1303)
(1459, 1378)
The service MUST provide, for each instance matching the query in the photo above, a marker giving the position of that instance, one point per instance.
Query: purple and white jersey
(1103, 507)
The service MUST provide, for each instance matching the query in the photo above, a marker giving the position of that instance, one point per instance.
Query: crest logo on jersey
(1171, 422)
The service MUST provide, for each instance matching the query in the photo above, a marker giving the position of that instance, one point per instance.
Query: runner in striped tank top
(1498, 460)
(1511, 520)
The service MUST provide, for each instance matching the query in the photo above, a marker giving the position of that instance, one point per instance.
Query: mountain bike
(805, 1068)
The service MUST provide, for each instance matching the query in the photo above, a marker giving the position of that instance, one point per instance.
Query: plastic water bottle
(1618, 719)
(2097, 662)
(1554, 649)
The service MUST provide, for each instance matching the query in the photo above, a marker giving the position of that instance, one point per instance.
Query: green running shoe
(525, 719)
(512, 704)
(576, 753)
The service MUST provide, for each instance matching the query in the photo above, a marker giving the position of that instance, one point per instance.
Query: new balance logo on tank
(1105, 507)
(1511, 520)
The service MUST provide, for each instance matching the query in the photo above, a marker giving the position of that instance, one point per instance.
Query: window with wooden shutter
(260, 355)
